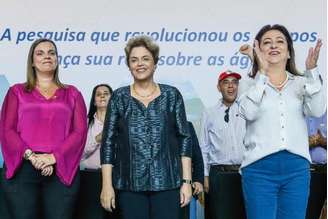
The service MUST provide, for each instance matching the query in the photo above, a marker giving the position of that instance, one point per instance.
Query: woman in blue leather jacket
(146, 147)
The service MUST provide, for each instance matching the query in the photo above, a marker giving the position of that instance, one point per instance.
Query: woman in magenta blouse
(43, 131)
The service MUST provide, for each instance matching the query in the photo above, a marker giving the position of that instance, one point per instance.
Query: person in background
(43, 132)
(276, 164)
(90, 162)
(197, 171)
(323, 214)
(197, 163)
(96, 117)
(146, 147)
(221, 142)
(317, 130)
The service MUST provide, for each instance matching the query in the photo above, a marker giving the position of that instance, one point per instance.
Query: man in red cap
(228, 86)
(221, 142)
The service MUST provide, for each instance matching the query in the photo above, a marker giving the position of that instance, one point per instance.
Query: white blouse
(275, 120)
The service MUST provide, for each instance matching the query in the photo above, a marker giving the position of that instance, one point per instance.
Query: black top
(197, 157)
(145, 144)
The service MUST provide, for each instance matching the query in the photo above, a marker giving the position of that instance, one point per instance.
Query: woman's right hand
(107, 198)
(198, 188)
(247, 50)
(206, 184)
(185, 194)
(45, 171)
(99, 137)
(260, 58)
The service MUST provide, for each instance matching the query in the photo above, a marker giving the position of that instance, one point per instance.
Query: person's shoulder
(169, 90)
(301, 77)
(298, 80)
(166, 87)
(211, 112)
(120, 94)
(71, 89)
(17, 88)
(20, 86)
(121, 91)
(213, 108)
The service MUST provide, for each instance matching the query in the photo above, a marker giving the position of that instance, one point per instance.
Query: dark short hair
(142, 41)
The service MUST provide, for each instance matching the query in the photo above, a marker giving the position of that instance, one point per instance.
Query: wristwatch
(27, 154)
(188, 181)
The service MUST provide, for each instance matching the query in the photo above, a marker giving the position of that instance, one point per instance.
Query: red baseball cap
(228, 73)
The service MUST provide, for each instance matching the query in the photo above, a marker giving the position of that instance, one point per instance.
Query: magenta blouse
(57, 125)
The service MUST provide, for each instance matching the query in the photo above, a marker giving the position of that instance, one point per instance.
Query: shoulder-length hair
(30, 72)
(290, 66)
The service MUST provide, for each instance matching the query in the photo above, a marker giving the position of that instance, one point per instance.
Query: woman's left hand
(198, 188)
(185, 194)
(47, 171)
(42, 161)
(313, 56)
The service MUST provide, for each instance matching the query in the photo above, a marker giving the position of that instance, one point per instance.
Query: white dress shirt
(221, 142)
(275, 120)
(91, 154)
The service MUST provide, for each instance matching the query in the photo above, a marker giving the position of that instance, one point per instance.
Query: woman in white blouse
(275, 168)
(97, 110)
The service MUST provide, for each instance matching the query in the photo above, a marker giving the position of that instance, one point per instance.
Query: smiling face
(275, 48)
(102, 97)
(45, 58)
(229, 89)
(141, 64)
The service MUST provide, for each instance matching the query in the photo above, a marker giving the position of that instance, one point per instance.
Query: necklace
(45, 90)
(145, 96)
(281, 84)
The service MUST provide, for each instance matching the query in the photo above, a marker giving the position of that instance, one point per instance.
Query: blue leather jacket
(145, 144)
(197, 157)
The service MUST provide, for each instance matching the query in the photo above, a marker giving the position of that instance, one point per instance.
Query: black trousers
(150, 205)
(225, 198)
(30, 195)
(89, 206)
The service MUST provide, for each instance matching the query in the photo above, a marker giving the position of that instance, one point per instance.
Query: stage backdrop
(198, 39)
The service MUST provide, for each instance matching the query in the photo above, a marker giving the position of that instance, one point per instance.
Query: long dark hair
(290, 66)
(92, 107)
